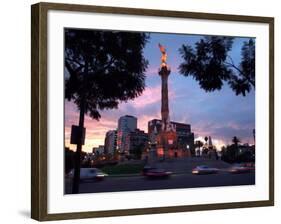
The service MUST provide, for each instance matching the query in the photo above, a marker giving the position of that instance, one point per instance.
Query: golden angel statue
(164, 55)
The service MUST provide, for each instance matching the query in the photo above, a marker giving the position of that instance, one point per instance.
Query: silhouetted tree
(210, 64)
(236, 141)
(229, 154)
(246, 157)
(206, 139)
(68, 160)
(103, 69)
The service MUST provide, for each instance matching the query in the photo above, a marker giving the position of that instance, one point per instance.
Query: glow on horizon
(96, 138)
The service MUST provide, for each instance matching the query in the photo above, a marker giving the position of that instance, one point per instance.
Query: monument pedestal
(166, 144)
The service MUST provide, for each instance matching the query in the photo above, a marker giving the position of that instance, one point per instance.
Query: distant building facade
(136, 142)
(209, 150)
(126, 124)
(185, 138)
(98, 150)
(110, 142)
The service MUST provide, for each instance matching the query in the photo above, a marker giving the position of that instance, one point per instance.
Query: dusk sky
(220, 114)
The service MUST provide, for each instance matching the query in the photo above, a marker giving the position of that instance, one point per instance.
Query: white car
(240, 168)
(89, 174)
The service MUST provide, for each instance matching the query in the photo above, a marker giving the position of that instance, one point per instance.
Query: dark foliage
(206, 139)
(246, 157)
(103, 68)
(229, 154)
(236, 141)
(210, 65)
(69, 160)
(137, 150)
(232, 154)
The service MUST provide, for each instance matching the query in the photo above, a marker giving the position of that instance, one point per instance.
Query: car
(203, 169)
(89, 174)
(250, 165)
(146, 169)
(240, 168)
(153, 172)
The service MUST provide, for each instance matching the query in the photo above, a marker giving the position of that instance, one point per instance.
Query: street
(183, 180)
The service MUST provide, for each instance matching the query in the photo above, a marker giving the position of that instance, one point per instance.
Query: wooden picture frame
(39, 109)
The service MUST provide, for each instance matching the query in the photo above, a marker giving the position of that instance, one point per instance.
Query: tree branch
(110, 63)
(234, 66)
(75, 61)
(231, 64)
(71, 70)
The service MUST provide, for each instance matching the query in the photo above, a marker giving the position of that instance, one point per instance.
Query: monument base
(167, 146)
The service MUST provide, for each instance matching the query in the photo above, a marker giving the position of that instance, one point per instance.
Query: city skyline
(209, 114)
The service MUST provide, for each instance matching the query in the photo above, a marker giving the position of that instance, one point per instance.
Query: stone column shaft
(164, 73)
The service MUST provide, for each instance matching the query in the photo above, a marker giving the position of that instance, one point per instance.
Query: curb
(124, 175)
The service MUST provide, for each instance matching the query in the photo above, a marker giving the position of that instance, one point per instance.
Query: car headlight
(100, 175)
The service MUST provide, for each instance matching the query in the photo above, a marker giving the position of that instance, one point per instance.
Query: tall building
(126, 124)
(110, 142)
(185, 138)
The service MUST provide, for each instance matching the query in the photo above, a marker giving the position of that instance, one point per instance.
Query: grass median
(122, 169)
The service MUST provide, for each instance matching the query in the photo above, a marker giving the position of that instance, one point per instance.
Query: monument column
(164, 73)
(167, 138)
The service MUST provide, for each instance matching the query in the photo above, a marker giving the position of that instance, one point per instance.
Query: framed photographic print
(138, 111)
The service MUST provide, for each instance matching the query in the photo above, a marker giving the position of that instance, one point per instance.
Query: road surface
(184, 180)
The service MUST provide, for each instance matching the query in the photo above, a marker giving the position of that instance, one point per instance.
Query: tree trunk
(77, 164)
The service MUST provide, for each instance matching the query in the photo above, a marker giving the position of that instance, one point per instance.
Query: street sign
(77, 135)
